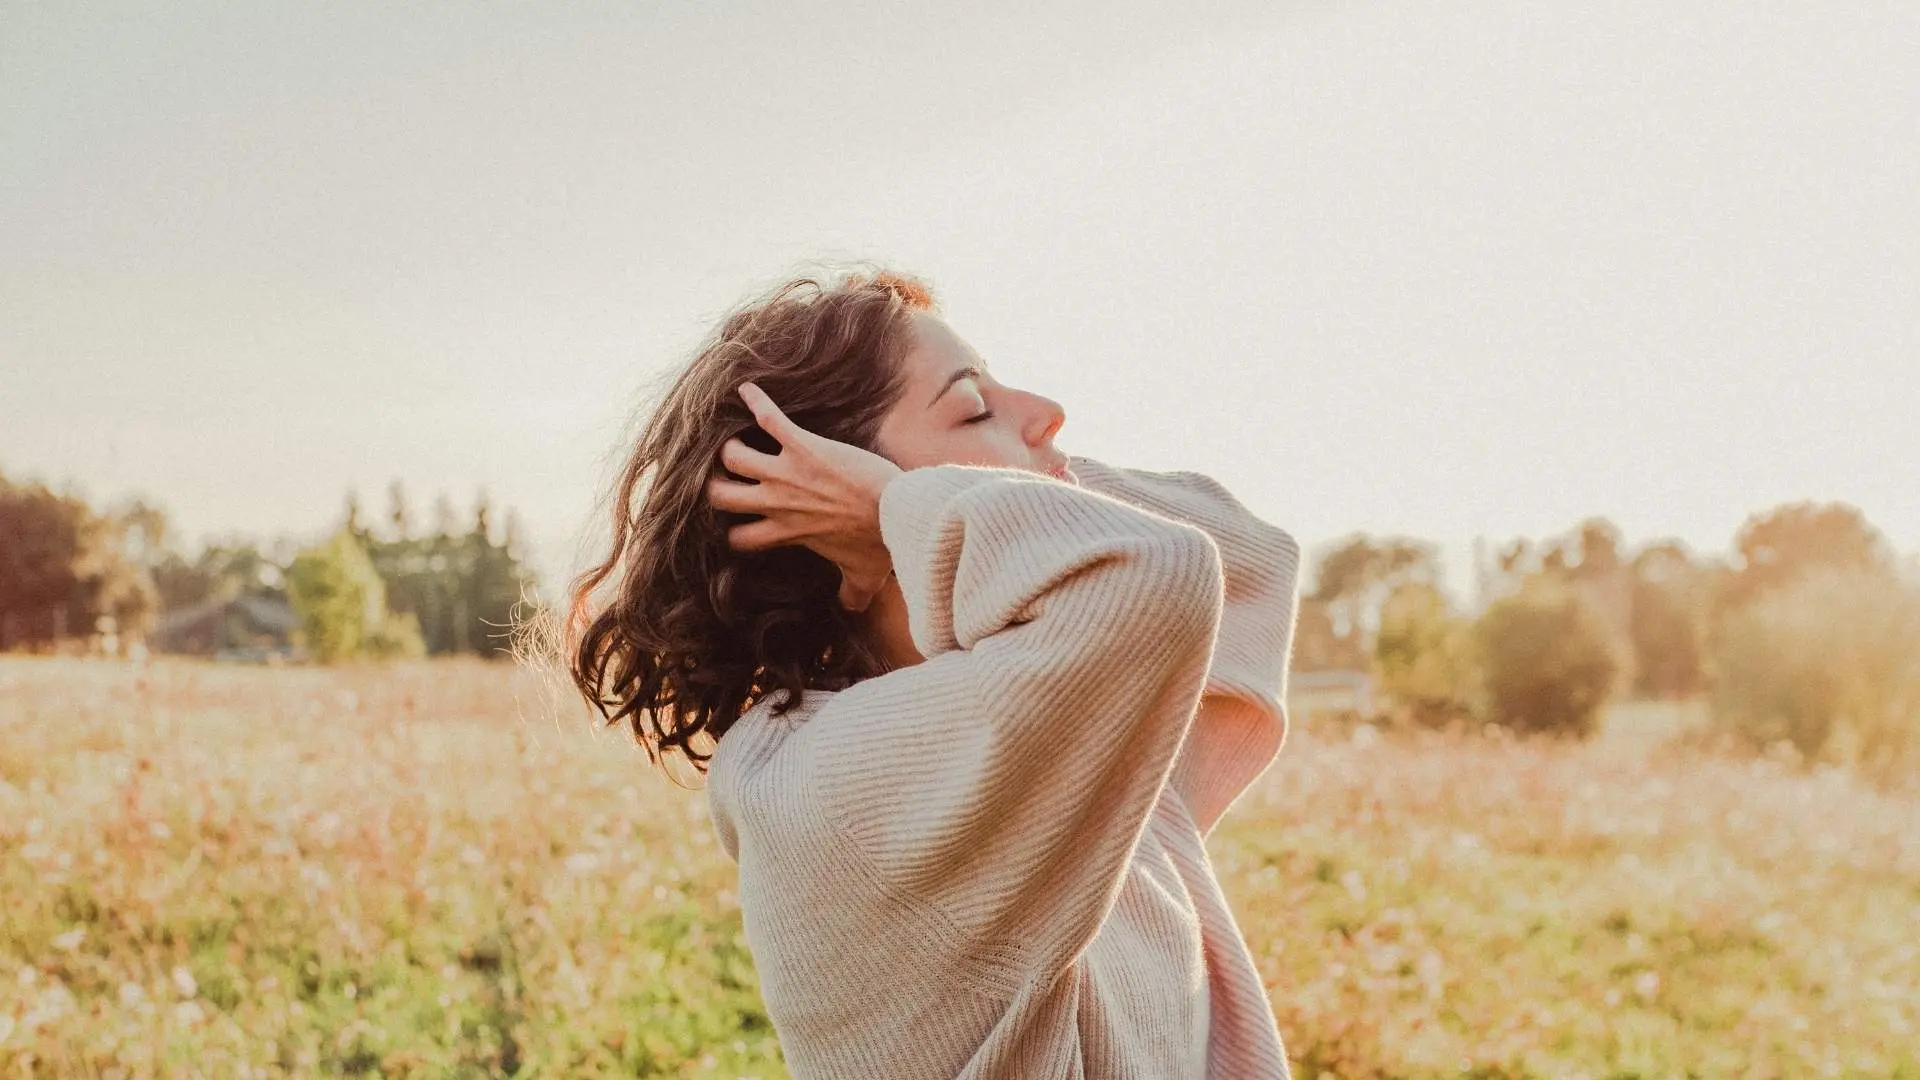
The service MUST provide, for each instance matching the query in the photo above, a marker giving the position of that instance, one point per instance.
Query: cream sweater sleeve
(1005, 781)
(1242, 721)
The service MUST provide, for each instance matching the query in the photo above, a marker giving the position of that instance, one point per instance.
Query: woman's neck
(887, 621)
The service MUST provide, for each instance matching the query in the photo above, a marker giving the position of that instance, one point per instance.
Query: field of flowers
(416, 871)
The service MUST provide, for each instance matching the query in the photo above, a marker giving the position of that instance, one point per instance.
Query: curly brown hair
(675, 632)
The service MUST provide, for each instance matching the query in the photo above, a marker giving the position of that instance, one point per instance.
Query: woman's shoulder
(768, 752)
(761, 732)
(760, 765)
(763, 746)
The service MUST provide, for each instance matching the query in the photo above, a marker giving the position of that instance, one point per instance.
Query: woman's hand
(816, 492)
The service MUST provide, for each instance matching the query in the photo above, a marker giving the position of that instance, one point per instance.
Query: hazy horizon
(1485, 270)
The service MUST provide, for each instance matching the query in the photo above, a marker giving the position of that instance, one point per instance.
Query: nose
(1046, 420)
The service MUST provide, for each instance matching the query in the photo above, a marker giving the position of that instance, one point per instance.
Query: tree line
(113, 580)
(1807, 634)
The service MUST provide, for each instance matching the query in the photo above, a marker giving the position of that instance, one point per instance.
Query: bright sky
(1440, 269)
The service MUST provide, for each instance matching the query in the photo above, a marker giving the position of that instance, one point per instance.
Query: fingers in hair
(757, 536)
(736, 496)
(743, 460)
(768, 415)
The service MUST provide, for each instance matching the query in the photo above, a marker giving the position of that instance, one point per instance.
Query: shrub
(1549, 661)
(1424, 657)
(342, 604)
(1829, 663)
(397, 637)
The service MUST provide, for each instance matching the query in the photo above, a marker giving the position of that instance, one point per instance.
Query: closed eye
(988, 415)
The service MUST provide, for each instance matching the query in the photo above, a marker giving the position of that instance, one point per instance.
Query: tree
(1355, 579)
(460, 586)
(342, 604)
(1668, 607)
(1550, 662)
(1783, 544)
(222, 571)
(354, 526)
(496, 585)
(65, 573)
(399, 514)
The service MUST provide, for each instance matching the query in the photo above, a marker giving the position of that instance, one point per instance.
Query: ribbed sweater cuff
(913, 526)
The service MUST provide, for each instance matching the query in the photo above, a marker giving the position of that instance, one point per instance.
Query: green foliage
(460, 587)
(453, 590)
(1829, 663)
(342, 603)
(1550, 662)
(396, 637)
(1425, 657)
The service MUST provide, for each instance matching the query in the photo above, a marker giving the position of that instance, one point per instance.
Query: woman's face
(955, 413)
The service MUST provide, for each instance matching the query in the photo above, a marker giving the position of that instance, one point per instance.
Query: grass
(409, 871)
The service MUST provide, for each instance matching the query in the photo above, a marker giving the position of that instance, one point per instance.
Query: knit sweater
(991, 864)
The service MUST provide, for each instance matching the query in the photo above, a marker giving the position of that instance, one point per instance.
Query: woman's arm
(1242, 721)
(1005, 780)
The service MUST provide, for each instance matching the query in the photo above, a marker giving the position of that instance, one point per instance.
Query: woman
(973, 704)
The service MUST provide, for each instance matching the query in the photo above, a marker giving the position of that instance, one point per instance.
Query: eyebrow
(968, 372)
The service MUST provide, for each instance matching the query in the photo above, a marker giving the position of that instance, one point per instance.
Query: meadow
(421, 870)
